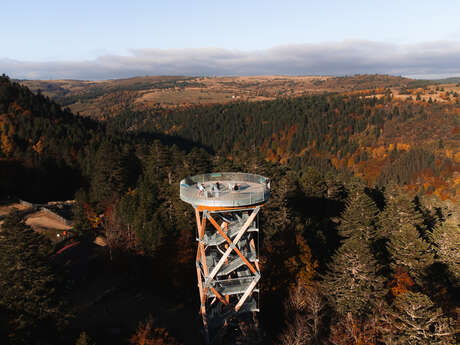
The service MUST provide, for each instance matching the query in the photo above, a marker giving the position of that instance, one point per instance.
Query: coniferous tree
(278, 212)
(399, 210)
(27, 283)
(107, 175)
(413, 319)
(197, 162)
(446, 240)
(159, 164)
(352, 280)
(359, 217)
(312, 183)
(81, 224)
(410, 252)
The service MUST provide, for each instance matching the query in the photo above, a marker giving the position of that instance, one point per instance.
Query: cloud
(423, 60)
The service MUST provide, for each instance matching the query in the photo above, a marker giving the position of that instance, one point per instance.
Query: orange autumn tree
(6, 133)
(302, 264)
(401, 282)
(147, 335)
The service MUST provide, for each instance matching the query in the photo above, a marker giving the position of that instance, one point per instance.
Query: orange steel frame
(203, 215)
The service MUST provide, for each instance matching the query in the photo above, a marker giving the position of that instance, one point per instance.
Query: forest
(359, 243)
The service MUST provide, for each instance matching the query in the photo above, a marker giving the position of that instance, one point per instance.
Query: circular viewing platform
(225, 189)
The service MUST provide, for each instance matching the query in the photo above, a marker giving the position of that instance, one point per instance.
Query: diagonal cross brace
(235, 241)
(247, 292)
(229, 241)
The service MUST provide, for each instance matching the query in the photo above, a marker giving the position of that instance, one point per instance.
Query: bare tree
(315, 309)
(296, 331)
(305, 308)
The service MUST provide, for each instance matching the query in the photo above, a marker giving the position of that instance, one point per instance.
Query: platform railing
(258, 194)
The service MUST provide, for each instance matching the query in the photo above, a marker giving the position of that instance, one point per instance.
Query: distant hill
(451, 80)
(107, 98)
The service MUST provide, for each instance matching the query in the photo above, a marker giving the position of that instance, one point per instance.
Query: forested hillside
(383, 140)
(360, 236)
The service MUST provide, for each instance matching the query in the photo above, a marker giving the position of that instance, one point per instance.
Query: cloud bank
(422, 60)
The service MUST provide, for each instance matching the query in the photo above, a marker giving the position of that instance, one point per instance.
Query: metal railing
(258, 191)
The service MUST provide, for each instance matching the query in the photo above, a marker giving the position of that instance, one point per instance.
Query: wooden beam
(198, 222)
(235, 241)
(252, 244)
(203, 291)
(218, 295)
(201, 225)
(246, 261)
(246, 293)
(202, 294)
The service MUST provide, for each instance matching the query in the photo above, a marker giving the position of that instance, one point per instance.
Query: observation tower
(227, 259)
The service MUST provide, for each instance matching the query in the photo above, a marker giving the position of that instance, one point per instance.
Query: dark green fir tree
(446, 240)
(409, 252)
(413, 319)
(399, 210)
(352, 281)
(359, 217)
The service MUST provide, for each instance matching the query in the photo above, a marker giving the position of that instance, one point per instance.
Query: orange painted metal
(218, 228)
(219, 296)
(253, 246)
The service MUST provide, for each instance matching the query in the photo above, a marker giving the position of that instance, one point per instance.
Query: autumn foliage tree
(147, 334)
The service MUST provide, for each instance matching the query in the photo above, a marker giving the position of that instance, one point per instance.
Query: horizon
(236, 76)
(114, 40)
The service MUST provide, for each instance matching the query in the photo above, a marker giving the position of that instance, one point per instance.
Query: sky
(101, 39)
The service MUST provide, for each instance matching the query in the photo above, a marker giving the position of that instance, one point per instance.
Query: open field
(442, 93)
(102, 99)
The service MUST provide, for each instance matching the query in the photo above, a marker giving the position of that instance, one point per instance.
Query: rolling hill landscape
(108, 97)
(359, 166)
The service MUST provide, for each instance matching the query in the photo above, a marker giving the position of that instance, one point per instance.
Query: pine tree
(399, 210)
(359, 217)
(446, 240)
(410, 252)
(81, 224)
(278, 214)
(352, 280)
(413, 319)
(159, 165)
(107, 174)
(313, 184)
(197, 162)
